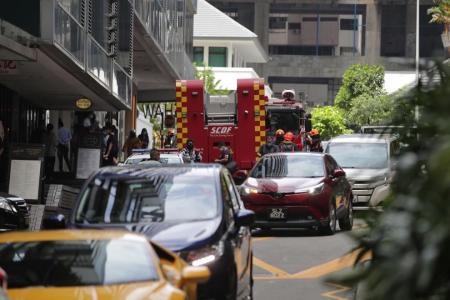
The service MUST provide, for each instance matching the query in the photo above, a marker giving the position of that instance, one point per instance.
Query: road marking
(276, 272)
(332, 294)
(262, 238)
(318, 271)
(332, 266)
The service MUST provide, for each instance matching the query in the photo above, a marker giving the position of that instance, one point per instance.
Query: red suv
(299, 190)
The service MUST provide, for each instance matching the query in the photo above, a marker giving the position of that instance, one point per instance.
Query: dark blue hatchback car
(194, 210)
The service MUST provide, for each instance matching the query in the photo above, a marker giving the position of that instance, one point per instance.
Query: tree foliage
(440, 13)
(410, 240)
(370, 110)
(329, 121)
(212, 86)
(360, 79)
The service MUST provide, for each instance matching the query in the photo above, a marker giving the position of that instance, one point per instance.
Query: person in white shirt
(64, 137)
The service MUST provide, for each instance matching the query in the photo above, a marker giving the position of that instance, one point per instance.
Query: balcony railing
(79, 45)
(160, 18)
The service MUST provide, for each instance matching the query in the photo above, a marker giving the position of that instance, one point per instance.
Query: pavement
(297, 264)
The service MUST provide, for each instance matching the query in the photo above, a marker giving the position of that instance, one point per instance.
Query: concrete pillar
(262, 10)
(410, 30)
(373, 32)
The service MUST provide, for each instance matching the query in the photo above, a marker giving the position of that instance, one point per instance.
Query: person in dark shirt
(110, 157)
(268, 147)
(226, 157)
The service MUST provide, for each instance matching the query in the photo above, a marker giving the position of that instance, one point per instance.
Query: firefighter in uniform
(313, 141)
(288, 144)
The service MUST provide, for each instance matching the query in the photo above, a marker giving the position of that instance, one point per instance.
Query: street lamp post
(416, 111)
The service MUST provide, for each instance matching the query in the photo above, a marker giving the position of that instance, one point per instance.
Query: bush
(329, 121)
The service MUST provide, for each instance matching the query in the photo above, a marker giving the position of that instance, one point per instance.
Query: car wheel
(330, 228)
(232, 286)
(346, 223)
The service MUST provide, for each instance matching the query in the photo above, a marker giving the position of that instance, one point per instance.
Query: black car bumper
(218, 284)
(290, 224)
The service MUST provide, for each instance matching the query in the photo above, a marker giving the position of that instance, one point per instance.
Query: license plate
(278, 213)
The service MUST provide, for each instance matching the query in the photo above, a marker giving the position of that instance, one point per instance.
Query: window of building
(295, 27)
(310, 19)
(277, 22)
(328, 19)
(393, 30)
(217, 56)
(301, 50)
(349, 24)
(199, 57)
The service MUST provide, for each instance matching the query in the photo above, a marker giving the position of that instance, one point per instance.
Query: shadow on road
(289, 232)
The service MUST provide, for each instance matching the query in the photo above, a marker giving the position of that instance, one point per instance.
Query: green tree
(360, 79)
(370, 110)
(410, 240)
(329, 121)
(212, 86)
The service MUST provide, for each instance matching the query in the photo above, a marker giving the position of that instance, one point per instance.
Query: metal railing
(160, 19)
(73, 38)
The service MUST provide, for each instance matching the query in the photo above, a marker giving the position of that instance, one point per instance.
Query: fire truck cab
(241, 119)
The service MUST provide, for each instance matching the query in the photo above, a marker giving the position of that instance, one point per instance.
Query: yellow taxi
(94, 264)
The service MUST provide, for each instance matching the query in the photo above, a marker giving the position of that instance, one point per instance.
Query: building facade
(311, 43)
(115, 53)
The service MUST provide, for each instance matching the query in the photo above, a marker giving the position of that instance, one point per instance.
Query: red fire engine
(242, 119)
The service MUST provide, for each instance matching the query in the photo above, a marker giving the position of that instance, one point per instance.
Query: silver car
(164, 158)
(368, 162)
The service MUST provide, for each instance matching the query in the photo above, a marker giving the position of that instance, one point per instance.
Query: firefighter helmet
(279, 132)
(314, 132)
(289, 136)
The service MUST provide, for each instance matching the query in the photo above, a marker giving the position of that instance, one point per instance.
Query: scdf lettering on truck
(221, 130)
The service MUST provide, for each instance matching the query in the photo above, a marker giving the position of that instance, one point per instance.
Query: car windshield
(77, 263)
(156, 199)
(360, 155)
(164, 159)
(289, 166)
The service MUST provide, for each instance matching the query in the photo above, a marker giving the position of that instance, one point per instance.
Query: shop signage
(8, 67)
(83, 103)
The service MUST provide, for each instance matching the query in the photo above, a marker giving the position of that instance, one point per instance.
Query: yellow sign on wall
(84, 103)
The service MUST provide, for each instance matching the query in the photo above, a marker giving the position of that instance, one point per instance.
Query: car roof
(144, 171)
(69, 235)
(147, 154)
(362, 138)
(297, 154)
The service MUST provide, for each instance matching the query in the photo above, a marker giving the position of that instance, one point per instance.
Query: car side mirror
(244, 217)
(54, 222)
(194, 275)
(240, 176)
(338, 173)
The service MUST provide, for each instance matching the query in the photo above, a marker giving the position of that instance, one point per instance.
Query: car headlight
(245, 191)
(314, 190)
(5, 206)
(206, 255)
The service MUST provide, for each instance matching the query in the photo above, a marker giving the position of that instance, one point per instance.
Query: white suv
(368, 162)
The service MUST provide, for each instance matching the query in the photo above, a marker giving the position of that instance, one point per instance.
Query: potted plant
(440, 13)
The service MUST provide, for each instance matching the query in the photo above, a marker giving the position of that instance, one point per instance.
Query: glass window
(217, 56)
(77, 263)
(295, 27)
(277, 166)
(277, 22)
(154, 199)
(349, 24)
(360, 155)
(199, 58)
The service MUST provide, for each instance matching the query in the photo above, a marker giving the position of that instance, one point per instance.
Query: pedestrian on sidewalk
(64, 137)
(110, 157)
(143, 137)
(131, 143)
(50, 142)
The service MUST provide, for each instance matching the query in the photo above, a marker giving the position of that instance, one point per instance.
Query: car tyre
(232, 289)
(346, 223)
(330, 228)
